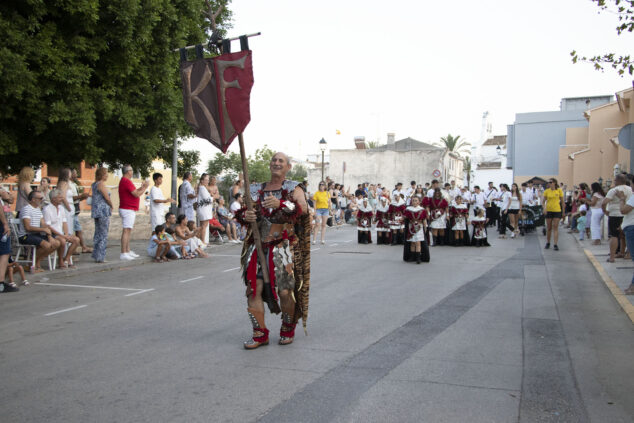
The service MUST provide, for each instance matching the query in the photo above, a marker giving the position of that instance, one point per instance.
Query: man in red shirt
(128, 206)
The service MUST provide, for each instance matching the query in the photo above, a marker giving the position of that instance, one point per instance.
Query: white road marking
(348, 240)
(192, 279)
(229, 270)
(315, 249)
(66, 309)
(87, 286)
(140, 292)
(333, 245)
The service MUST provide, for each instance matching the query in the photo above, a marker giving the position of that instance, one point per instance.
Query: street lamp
(322, 146)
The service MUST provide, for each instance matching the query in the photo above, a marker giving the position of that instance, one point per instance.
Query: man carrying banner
(280, 212)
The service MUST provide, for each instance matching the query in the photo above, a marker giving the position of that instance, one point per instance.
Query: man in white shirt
(434, 185)
(477, 199)
(612, 208)
(528, 196)
(55, 219)
(34, 231)
(410, 191)
(157, 201)
(454, 191)
(186, 198)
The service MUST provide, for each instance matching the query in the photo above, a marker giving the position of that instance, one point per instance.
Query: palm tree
(454, 144)
(467, 168)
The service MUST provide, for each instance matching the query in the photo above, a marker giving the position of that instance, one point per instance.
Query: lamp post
(322, 146)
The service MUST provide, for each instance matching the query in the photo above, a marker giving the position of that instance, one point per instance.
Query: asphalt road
(501, 334)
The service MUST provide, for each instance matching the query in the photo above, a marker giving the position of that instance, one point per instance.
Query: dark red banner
(216, 96)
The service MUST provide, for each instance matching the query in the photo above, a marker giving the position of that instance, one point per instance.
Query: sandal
(86, 250)
(36, 270)
(25, 283)
(610, 260)
(157, 260)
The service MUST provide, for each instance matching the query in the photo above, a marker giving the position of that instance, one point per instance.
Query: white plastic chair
(29, 249)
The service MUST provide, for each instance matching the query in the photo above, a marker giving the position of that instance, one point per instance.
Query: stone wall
(141, 230)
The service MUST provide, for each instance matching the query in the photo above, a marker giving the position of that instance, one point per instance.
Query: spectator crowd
(46, 225)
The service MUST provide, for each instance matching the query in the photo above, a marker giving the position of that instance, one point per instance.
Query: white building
(399, 161)
(490, 163)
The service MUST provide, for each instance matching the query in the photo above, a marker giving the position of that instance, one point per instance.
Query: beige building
(594, 152)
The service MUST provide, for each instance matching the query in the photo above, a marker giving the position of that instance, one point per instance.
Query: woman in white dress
(63, 184)
(596, 219)
(205, 206)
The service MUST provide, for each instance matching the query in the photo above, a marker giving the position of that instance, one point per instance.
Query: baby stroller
(527, 221)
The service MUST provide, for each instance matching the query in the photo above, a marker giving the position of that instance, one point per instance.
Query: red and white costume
(416, 217)
(459, 213)
(437, 211)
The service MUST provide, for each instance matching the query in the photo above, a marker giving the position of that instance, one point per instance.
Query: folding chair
(29, 249)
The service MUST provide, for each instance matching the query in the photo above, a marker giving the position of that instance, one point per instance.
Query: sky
(417, 69)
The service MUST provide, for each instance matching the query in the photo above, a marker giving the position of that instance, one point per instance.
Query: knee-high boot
(417, 254)
(287, 330)
(260, 332)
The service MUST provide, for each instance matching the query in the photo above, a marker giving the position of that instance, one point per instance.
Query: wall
(536, 138)
(385, 167)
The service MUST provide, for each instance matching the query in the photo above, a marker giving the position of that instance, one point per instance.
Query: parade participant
(280, 211)
(382, 219)
(438, 214)
(434, 185)
(409, 192)
(396, 219)
(479, 222)
(454, 190)
(446, 193)
(477, 199)
(364, 222)
(528, 196)
(459, 214)
(553, 204)
(415, 220)
(490, 193)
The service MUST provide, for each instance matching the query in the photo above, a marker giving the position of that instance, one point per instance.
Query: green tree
(454, 144)
(624, 9)
(187, 162)
(94, 80)
(297, 173)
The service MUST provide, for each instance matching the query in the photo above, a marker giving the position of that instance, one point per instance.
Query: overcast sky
(418, 69)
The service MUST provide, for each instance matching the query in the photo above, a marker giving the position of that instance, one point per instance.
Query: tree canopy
(229, 166)
(94, 80)
(624, 9)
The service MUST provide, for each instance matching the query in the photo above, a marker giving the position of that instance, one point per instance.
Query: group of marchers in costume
(427, 220)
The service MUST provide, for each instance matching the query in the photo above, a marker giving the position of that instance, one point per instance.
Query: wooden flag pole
(254, 226)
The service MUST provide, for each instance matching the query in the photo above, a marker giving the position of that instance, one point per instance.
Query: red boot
(260, 332)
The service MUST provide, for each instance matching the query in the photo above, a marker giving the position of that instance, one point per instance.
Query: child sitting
(159, 246)
(581, 224)
(13, 267)
(174, 244)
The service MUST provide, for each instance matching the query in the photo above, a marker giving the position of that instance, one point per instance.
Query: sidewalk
(617, 276)
(86, 264)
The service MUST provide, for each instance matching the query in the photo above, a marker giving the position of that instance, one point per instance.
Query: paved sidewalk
(86, 264)
(617, 276)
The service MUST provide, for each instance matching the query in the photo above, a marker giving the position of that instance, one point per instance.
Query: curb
(619, 296)
(97, 267)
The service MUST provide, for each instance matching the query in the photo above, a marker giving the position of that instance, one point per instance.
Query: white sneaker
(125, 256)
(133, 254)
